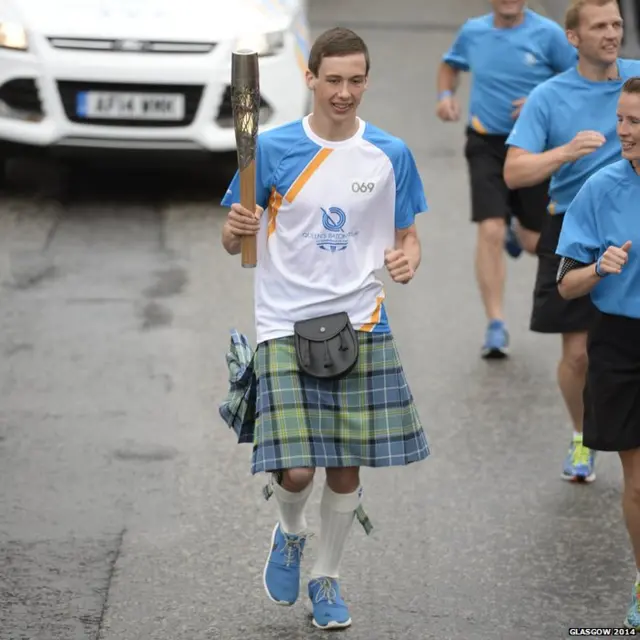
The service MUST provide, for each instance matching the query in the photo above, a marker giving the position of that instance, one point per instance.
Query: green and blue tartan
(239, 407)
(367, 419)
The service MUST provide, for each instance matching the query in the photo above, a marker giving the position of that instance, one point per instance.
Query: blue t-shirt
(605, 214)
(506, 64)
(559, 109)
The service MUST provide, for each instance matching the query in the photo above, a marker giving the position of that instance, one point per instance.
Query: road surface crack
(107, 591)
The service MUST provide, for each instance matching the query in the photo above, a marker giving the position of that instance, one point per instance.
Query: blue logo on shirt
(334, 219)
(334, 238)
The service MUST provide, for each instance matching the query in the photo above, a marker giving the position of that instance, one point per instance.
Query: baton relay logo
(334, 238)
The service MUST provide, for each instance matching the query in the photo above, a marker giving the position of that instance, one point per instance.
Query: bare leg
(572, 373)
(528, 239)
(631, 498)
(491, 266)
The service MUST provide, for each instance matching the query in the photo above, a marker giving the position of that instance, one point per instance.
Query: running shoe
(580, 462)
(496, 342)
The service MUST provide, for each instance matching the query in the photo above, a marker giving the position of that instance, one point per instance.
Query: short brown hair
(336, 42)
(632, 85)
(572, 16)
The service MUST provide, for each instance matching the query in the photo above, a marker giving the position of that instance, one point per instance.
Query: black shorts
(612, 392)
(551, 313)
(490, 196)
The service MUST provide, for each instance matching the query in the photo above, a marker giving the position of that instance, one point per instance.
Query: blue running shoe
(329, 609)
(282, 571)
(511, 242)
(579, 463)
(632, 621)
(496, 342)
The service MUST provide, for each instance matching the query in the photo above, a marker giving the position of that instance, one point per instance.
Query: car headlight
(13, 36)
(264, 44)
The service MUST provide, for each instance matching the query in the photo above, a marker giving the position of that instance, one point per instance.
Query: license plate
(130, 106)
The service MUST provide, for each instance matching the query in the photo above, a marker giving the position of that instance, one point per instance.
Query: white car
(82, 77)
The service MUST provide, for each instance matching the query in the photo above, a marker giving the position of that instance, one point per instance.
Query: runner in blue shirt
(508, 52)
(599, 246)
(567, 130)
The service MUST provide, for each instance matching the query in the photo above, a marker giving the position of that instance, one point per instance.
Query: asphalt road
(127, 511)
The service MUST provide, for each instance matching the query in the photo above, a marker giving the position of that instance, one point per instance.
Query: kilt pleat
(365, 419)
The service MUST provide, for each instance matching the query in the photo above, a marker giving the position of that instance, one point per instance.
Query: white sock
(637, 576)
(577, 435)
(291, 507)
(337, 512)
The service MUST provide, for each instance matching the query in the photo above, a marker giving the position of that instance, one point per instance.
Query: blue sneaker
(329, 609)
(579, 463)
(511, 242)
(496, 342)
(282, 571)
(632, 621)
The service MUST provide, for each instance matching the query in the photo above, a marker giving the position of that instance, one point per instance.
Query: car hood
(177, 20)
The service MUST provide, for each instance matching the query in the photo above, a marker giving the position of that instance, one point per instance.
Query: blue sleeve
(410, 197)
(458, 55)
(579, 235)
(264, 174)
(531, 128)
(562, 54)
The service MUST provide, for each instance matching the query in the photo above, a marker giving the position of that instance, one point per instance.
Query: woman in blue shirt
(599, 248)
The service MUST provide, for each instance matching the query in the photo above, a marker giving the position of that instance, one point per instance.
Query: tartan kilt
(367, 419)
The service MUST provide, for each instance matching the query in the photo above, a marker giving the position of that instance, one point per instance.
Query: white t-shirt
(331, 210)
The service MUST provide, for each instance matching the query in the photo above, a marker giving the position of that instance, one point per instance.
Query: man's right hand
(241, 222)
(614, 259)
(448, 109)
(583, 144)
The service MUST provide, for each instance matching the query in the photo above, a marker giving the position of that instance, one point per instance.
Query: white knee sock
(337, 512)
(291, 507)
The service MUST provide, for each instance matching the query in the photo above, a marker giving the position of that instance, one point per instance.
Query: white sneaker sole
(579, 479)
(332, 626)
(264, 573)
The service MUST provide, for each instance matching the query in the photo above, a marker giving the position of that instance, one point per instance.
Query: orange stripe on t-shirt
(275, 201)
(309, 170)
(375, 316)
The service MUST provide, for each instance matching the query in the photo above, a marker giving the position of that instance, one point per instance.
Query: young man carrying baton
(340, 198)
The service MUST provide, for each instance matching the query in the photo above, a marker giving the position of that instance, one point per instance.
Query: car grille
(130, 46)
(69, 91)
(22, 94)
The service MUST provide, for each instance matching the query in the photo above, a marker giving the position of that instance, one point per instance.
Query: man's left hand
(398, 266)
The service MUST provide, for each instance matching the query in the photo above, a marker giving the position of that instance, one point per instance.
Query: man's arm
(454, 61)
(579, 244)
(576, 280)
(407, 241)
(525, 169)
(231, 242)
(240, 222)
(528, 161)
(448, 79)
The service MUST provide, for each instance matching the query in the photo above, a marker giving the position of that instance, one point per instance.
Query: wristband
(598, 272)
(445, 94)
